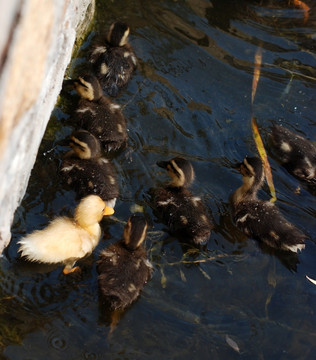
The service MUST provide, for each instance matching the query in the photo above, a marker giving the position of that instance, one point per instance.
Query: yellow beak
(108, 211)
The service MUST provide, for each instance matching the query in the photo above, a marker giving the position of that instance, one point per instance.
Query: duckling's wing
(85, 113)
(59, 241)
(263, 221)
(193, 220)
(107, 123)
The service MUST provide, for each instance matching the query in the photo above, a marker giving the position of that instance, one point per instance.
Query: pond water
(190, 96)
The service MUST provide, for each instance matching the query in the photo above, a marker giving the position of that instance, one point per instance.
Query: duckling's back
(122, 274)
(295, 152)
(104, 120)
(184, 214)
(91, 176)
(263, 221)
(120, 63)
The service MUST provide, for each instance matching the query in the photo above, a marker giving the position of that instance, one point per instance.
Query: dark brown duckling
(87, 171)
(297, 154)
(99, 115)
(183, 213)
(260, 219)
(123, 267)
(114, 61)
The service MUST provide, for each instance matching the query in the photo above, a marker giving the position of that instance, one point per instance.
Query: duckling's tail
(35, 248)
(29, 249)
(294, 241)
(295, 248)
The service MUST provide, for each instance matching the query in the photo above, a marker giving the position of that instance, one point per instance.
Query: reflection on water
(190, 96)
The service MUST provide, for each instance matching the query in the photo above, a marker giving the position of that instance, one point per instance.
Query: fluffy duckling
(297, 154)
(87, 171)
(123, 267)
(114, 61)
(65, 240)
(184, 213)
(260, 219)
(99, 115)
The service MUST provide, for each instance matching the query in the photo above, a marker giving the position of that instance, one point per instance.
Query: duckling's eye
(76, 145)
(82, 148)
(244, 170)
(82, 83)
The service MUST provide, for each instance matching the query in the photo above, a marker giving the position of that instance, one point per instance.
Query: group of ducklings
(123, 267)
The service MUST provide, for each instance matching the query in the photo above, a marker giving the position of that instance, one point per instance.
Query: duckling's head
(252, 171)
(91, 210)
(84, 144)
(135, 232)
(118, 34)
(253, 176)
(180, 170)
(88, 87)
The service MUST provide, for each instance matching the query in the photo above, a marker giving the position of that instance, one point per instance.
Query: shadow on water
(190, 96)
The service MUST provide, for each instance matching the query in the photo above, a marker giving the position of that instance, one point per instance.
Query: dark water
(191, 96)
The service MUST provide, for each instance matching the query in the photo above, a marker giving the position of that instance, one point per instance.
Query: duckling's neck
(247, 191)
(175, 185)
(90, 225)
(93, 230)
(178, 182)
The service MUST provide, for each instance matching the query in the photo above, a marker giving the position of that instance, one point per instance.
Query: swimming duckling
(65, 240)
(184, 213)
(260, 219)
(123, 267)
(114, 61)
(99, 115)
(87, 171)
(297, 154)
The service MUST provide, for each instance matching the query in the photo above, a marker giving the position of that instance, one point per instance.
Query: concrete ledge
(35, 48)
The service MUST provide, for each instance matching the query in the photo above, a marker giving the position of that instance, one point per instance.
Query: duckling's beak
(237, 166)
(108, 211)
(64, 142)
(163, 164)
(242, 169)
(68, 84)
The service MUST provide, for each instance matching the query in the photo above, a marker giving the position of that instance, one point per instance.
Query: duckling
(99, 115)
(114, 61)
(297, 154)
(184, 213)
(261, 219)
(123, 267)
(87, 171)
(65, 240)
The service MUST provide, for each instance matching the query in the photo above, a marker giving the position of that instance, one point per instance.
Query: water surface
(190, 96)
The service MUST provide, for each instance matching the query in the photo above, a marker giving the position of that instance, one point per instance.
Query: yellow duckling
(114, 60)
(65, 240)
